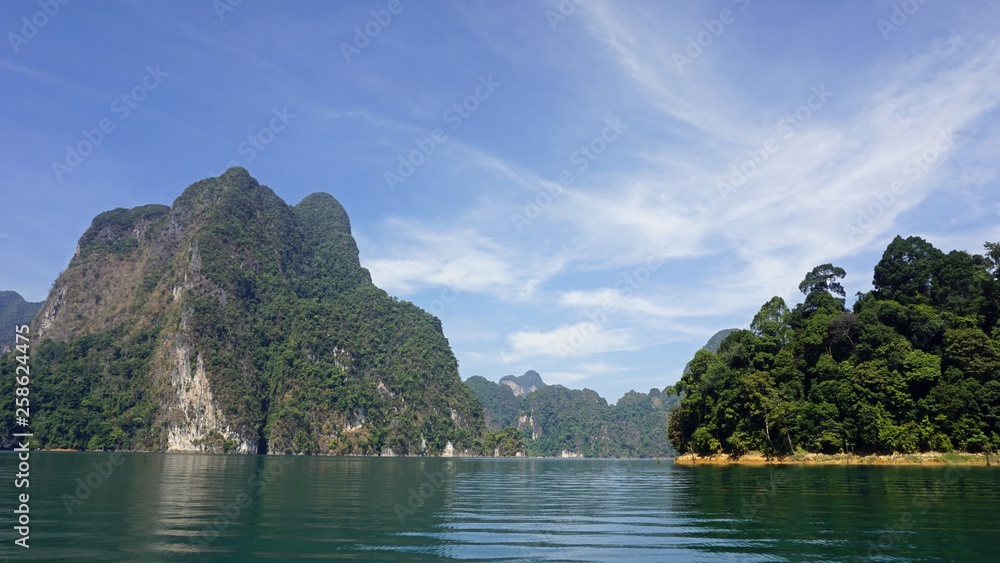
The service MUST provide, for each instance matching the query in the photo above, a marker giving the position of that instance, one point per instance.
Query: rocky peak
(527, 383)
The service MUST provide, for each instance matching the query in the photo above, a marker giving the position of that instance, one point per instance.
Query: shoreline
(270, 454)
(917, 459)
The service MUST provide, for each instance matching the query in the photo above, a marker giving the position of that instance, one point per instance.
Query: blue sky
(587, 189)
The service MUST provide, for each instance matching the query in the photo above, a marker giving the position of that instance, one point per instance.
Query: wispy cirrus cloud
(461, 259)
(801, 205)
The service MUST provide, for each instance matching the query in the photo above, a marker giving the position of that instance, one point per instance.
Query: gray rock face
(527, 383)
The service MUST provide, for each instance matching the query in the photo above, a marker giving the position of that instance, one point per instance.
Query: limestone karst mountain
(233, 322)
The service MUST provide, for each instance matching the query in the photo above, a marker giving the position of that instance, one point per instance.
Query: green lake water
(165, 507)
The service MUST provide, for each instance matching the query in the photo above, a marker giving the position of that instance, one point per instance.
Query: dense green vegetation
(117, 231)
(713, 343)
(913, 366)
(302, 353)
(89, 393)
(499, 403)
(554, 419)
(506, 442)
(581, 421)
(14, 311)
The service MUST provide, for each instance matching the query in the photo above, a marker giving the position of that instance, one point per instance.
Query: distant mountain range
(556, 421)
(14, 311)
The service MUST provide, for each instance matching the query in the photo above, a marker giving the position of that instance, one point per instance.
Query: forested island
(911, 367)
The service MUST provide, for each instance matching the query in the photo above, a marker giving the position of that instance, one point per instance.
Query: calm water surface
(162, 507)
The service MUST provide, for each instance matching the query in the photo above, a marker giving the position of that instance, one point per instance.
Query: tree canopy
(913, 366)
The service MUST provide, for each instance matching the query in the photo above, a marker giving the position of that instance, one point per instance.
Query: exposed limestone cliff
(522, 385)
(195, 422)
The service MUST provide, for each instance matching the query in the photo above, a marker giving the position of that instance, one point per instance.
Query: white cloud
(797, 208)
(612, 300)
(571, 375)
(462, 260)
(582, 339)
(644, 45)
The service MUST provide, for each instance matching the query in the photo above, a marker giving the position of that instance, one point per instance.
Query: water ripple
(159, 507)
